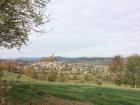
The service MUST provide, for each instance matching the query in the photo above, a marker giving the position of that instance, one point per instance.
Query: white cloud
(88, 28)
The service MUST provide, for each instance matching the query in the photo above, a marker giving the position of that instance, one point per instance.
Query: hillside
(14, 76)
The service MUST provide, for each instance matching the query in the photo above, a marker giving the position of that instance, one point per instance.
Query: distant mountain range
(29, 59)
(93, 60)
(25, 60)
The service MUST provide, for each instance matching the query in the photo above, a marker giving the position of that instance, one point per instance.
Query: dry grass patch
(51, 100)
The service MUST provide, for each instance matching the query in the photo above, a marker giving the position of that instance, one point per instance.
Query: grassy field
(83, 93)
(13, 76)
(32, 91)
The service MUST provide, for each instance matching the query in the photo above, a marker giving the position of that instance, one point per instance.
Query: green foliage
(34, 74)
(133, 70)
(18, 18)
(88, 77)
(52, 76)
(98, 81)
(6, 75)
(42, 76)
(71, 77)
(76, 77)
(1, 74)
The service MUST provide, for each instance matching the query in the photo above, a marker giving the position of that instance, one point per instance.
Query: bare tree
(116, 67)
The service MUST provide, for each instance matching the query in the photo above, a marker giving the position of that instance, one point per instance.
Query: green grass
(32, 90)
(85, 93)
(13, 76)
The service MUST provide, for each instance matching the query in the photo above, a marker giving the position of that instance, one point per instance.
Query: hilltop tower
(51, 58)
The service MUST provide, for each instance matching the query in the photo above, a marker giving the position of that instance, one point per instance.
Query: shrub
(98, 82)
(88, 77)
(82, 81)
(71, 77)
(34, 74)
(76, 77)
(1, 74)
(63, 77)
(52, 76)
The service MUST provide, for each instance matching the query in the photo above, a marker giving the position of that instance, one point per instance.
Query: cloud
(87, 28)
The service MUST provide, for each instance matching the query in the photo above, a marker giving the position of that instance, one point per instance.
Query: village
(50, 64)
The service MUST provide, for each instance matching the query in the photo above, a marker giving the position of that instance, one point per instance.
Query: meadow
(53, 93)
(93, 95)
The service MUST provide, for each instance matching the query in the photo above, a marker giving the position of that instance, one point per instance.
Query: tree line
(126, 70)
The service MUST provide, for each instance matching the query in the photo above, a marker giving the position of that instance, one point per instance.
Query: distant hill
(94, 60)
(29, 59)
(22, 60)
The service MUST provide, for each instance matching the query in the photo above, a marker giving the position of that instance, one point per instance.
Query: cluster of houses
(51, 64)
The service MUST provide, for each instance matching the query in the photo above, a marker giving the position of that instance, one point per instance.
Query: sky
(86, 28)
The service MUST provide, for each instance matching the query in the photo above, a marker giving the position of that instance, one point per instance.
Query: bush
(42, 76)
(76, 77)
(98, 82)
(1, 74)
(88, 77)
(52, 76)
(63, 77)
(71, 77)
(82, 81)
(34, 74)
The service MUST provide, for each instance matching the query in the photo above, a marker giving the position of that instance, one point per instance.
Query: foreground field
(73, 94)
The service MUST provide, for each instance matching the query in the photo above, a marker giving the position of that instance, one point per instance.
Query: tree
(27, 72)
(1, 74)
(8, 65)
(18, 18)
(117, 67)
(133, 70)
(88, 77)
(52, 76)
(34, 74)
(63, 77)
